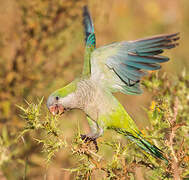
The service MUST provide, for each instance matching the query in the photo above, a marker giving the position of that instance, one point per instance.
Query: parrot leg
(96, 132)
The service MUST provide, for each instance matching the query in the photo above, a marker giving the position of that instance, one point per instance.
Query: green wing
(120, 66)
(89, 40)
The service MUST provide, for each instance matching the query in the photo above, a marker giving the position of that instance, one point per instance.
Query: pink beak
(56, 109)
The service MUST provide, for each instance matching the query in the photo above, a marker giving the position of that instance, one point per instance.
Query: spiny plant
(168, 129)
(52, 137)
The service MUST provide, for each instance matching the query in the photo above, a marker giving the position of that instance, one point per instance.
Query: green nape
(62, 92)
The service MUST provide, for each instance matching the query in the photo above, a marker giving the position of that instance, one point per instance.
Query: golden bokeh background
(42, 48)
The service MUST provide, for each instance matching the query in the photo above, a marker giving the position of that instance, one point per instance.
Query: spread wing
(120, 66)
(90, 40)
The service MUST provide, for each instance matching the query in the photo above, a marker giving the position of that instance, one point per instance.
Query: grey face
(54, 105)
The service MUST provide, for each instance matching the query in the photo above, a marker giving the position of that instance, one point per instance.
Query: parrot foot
(86, 139)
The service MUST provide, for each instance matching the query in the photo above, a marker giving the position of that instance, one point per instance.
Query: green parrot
(116, 67)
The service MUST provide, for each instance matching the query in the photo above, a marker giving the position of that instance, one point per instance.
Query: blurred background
(42, 48)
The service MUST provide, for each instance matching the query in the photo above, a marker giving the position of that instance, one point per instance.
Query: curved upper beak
(56, 109)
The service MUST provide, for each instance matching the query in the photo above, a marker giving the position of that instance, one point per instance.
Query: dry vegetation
(41, 49)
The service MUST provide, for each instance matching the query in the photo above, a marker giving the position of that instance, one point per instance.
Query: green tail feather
(143, 144)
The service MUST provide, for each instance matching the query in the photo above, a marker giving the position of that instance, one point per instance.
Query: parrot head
(54, 106)
(61, 100)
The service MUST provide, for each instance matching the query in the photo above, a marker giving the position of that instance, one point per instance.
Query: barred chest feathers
(92, 99)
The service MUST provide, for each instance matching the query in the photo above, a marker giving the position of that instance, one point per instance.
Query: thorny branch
(170, 142)
(125, 162)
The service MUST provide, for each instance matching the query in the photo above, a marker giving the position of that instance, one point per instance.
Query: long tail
(143, 143)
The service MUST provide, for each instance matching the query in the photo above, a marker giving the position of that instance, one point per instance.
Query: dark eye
(57, 98)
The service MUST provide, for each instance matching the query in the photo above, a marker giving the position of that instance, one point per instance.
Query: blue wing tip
(89, 28)
(87, 20)
(85, 10)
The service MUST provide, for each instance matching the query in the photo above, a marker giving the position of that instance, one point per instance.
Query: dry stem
(170, 143)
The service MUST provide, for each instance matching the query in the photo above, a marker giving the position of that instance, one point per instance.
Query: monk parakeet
(116, 67)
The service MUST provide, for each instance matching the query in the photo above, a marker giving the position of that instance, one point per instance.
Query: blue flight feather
(135, 56)
(145, 66)
(90, 39)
